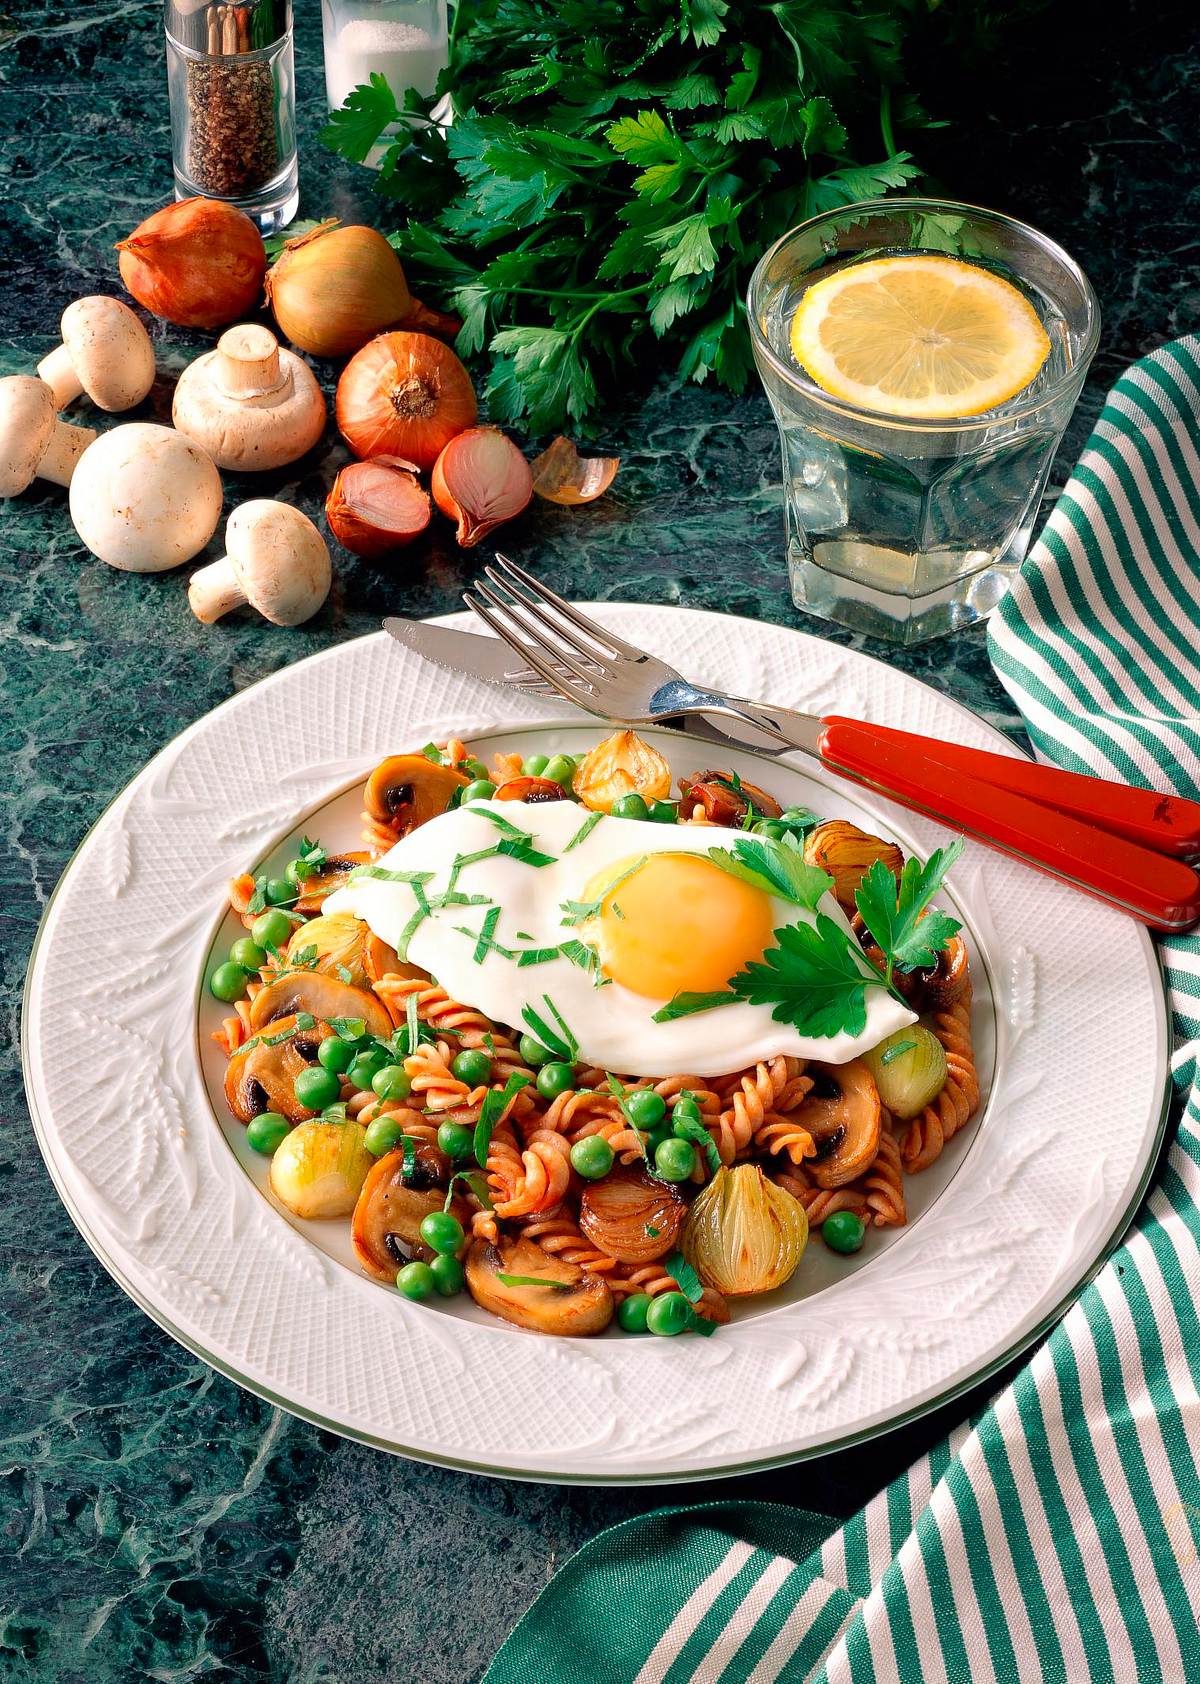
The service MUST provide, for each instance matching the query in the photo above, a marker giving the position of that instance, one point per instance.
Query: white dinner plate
(1070, 1029)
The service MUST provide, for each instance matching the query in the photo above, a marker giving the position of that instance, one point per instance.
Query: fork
(1129, 847)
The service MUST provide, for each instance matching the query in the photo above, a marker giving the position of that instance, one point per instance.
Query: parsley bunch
(616, 167)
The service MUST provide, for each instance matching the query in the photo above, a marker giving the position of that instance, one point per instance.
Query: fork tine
(555, 680)
(537, 640)
(536, 616)
(591, 628)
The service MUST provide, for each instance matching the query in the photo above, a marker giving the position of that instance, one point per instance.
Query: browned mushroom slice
(570, 1304)
(933, 990)
(531, 790)
(406, 790)
(847, 854)
(724, 800)
(632, 1216)
(324, 996)
(386, 1226)
(331, 875)
(261, 1076)
(842, 1114)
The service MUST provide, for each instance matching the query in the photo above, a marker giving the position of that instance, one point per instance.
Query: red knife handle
(1157, 889)
(1168, 824)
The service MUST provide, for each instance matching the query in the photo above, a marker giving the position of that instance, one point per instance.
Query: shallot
(198, 263)
(377, 506)
(479, 481)
(404, 394)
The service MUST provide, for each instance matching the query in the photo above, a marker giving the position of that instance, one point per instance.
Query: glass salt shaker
(406, 41)
(232, 86)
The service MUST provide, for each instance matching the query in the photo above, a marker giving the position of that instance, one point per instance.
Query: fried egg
(602, 922)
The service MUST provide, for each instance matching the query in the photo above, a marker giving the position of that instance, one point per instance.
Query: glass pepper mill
(232, 87)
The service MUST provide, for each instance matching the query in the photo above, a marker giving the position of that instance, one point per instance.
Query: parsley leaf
(908, 935)
(816, 979)
(778, 868)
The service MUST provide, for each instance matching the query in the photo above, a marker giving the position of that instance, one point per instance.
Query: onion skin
(480, 480)
(404, 394)
(198, 263)
(743, 1234)
(373, 508)
(333, 289)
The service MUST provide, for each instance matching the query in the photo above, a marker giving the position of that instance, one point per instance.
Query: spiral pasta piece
(924, 1137)
(883, 1184)
(653, 1279)
(557, 1232)
(820, 1202)
(754, 1094)
(779, 1133)
(466, 1025)
(433, 1082)
(528, 1179)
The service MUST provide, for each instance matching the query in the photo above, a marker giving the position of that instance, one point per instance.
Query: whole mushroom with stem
(144, 498)
(105, 352)
(275, 560)
(249, 403)
(34, 443)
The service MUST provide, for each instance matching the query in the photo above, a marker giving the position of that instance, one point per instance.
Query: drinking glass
(908, 528)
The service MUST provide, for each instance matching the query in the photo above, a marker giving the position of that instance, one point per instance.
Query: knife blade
(491, 659)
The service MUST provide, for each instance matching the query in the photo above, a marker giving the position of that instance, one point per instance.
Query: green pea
(381, 1135)
(674, 1160)
(442, 1232)
(686, 1106)
(248, 954)
(264, 1134)
(646, 1108)
(456, 1140)
(481, 790)
(592, 1157)
(279, 890)
(771, 828)
(416, 1281)
(560, 769)
(228, 982)
(298, 872)
(535, 765)
(365, 1068)
(316, 1088)
(533, 1053)
(271, 929)
(449, 1276)
(631, 806)
(337, 1055)
(632, 1312)
(654, 1140)
(668, 1314)
(392, 1082)
(474, 769)
(473, 1067)
(663, 812)
(844, 1231)
(553, 1079)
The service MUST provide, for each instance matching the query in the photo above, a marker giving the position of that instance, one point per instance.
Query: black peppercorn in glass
(232, 86)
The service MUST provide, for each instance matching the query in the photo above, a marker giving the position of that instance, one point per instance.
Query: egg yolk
(675, 923)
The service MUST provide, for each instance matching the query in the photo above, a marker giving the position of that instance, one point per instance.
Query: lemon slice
(923, 337)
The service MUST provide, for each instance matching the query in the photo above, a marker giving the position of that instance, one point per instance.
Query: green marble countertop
(155, 1521)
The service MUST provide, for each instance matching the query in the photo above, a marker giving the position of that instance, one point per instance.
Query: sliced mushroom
(725, 801)
(386, 1226)
(261, 1076)
(847, 854)
(530, 790)
(631, 1215)
(571, 1304)
(842, 1114)
(407, 790)
(934, 990)
(332, 875)
(325, 996)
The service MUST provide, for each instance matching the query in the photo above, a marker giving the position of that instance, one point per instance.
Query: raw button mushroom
(144, 498)
(34, 443)
(251, 405)
(106, 352)
(275, 560)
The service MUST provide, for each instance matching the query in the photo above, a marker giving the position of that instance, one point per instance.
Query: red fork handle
(1064, 838)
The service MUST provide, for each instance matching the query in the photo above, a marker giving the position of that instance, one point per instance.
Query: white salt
(409, 56)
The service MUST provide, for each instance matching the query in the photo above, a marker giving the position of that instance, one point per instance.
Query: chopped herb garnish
(413, 1024)
(522, 848)
(701, 1325)
(533, 1280)
(900, 1048)
(487, 930)
(652, 1232)
(335, 1113)
(559, 1040)
(309, 860)
(585, 830)
(304, 960)
(622, 1097)
(504, 825)
(495, 1103)
(418, 918)
(580, 954)
(468, 1175)
(349, 1028)
(384, 874)
(685, 1004)
(684, 1276)
(408, 1147)
(688, 1129)
(305, 1020)
(432, 752)
(537, 956)
(579, 910)
(343, 974)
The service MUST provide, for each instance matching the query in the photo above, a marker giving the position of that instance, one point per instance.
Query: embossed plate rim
(764, 643)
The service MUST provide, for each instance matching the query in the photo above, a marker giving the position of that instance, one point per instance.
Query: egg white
(613, 1026)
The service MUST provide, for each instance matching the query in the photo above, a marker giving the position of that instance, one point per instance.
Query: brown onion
(404, 394)
(198, 263)
(481, 480)
(333, 289)
(376, 506)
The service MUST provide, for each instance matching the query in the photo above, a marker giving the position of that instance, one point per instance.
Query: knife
(493, 661)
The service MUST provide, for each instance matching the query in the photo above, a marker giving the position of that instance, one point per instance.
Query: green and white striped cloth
(1057, 1537)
